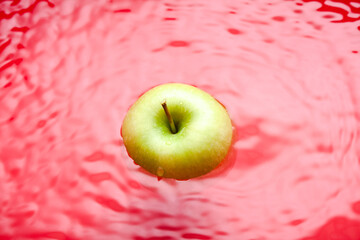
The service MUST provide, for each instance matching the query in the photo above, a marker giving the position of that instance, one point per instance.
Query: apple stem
(170, 119)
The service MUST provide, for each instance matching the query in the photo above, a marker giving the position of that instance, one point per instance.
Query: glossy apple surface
(201, 141)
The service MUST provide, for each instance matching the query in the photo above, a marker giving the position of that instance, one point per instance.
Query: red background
(287, 72)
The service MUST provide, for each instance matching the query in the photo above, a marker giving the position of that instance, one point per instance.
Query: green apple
(177, 131)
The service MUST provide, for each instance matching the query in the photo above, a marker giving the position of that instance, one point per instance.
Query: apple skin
(202, 140)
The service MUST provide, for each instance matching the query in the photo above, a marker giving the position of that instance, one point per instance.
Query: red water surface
(287, 71)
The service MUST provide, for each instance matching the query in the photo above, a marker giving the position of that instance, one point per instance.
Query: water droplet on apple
(160, 172)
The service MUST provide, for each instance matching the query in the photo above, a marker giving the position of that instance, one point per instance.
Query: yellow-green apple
(177, 131)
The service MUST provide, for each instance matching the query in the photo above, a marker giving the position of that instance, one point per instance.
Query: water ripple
(286, 72)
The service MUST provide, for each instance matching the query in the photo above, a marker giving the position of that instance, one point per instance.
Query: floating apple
(177, 131)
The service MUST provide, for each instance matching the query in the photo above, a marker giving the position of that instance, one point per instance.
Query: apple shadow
(338, 227)
(252, 146)
(264, 150)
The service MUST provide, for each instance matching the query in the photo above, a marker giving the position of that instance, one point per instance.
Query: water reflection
(349, 10)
